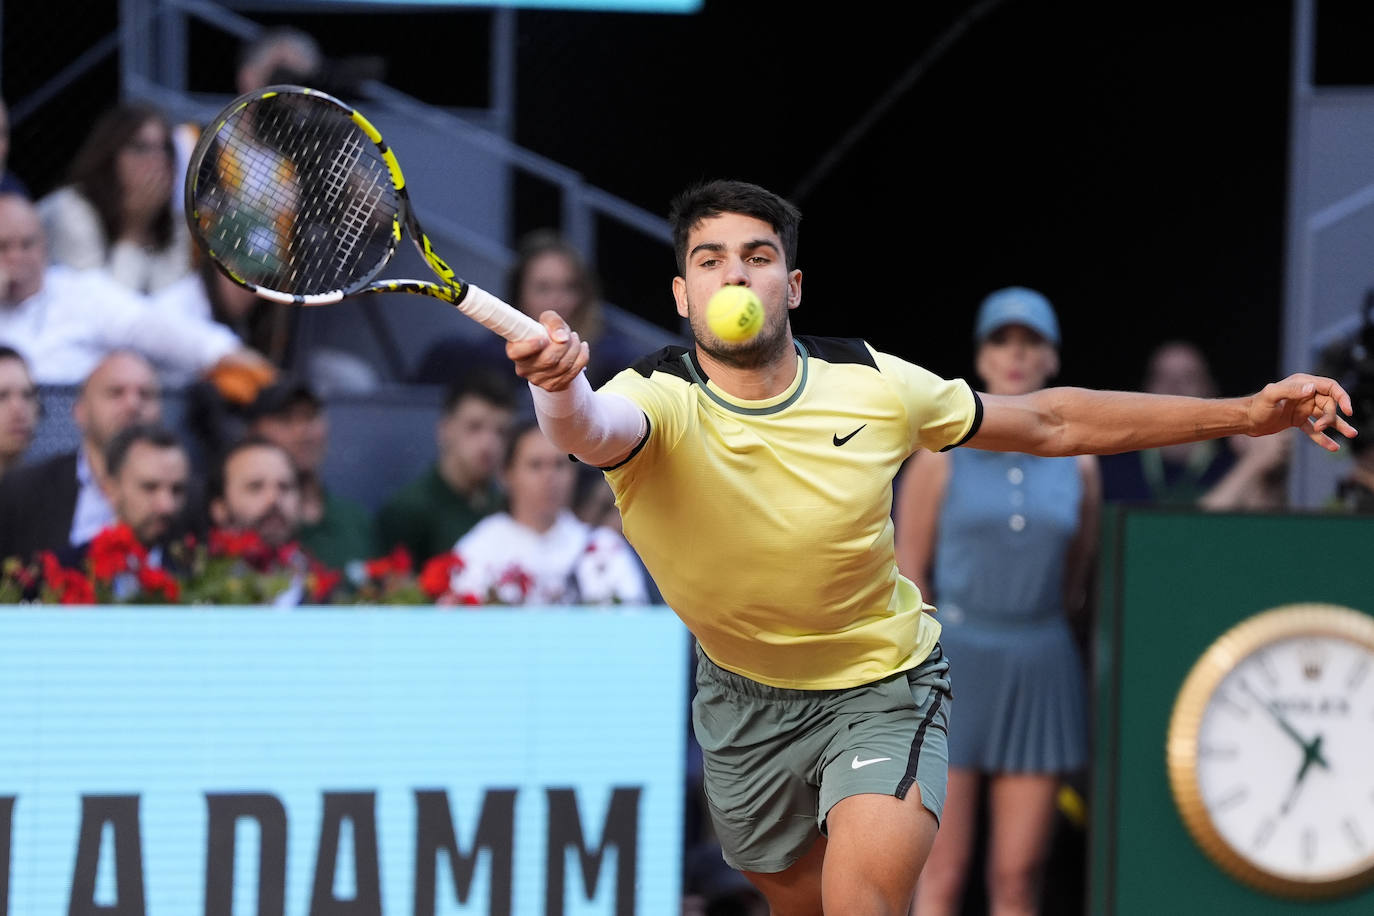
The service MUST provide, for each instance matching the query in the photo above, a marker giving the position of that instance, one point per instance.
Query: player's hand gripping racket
(295, 196)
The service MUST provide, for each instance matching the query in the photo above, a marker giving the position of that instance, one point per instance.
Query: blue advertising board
(170, 761)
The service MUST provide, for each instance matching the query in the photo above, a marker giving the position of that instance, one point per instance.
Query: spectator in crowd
(60, 502)
(539, 552)
(147, 481)
(10, 183)
(1217, 474)
(115, 211)
(1003, 542)
(269, 328)
(278, 55)
(64, 321)
(1177, 474)
(18, 409)
(333, 530)
(549, 274)
(256, 488)
(428, 515)
(208, 295)
(1258, 480)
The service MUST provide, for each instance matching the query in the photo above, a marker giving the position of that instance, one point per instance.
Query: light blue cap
(1017, 305)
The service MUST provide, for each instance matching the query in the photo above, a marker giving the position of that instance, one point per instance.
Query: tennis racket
(295, 196)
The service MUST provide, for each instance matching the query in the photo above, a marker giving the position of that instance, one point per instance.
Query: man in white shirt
(64, 320)
(59, 502)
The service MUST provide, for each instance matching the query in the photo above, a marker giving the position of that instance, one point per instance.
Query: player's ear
(219, 515)
(680, 295)
(794, 283)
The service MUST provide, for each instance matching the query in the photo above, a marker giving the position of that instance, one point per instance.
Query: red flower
(396, 563)
(157, 581)
(115, 550)
(437, 574)
(74, 588)
(236, 543)
(52, 570)
(322, 581)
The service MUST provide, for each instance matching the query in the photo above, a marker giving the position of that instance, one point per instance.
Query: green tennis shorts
(777, 760)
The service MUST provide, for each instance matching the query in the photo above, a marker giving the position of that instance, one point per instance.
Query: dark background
(1127, 159)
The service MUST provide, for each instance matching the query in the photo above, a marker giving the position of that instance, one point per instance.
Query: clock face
(1271, 750)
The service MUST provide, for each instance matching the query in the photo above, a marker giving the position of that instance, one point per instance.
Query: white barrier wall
(176, 761)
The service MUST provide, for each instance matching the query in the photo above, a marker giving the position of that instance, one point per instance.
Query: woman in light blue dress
(1001, 544)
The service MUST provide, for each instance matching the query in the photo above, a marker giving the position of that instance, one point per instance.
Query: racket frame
(467, 297)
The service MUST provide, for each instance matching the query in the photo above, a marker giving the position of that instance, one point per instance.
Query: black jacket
(37, 504)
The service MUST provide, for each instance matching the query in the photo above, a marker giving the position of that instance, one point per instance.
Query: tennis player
(755, 481)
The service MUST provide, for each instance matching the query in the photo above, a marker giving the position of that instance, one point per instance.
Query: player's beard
(770, 344)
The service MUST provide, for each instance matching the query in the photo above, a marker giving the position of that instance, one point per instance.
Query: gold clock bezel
(1232, 647)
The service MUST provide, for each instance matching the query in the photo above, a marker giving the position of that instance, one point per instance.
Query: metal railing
(153, 47)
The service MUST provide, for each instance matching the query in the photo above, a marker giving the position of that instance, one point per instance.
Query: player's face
(539, 481)
(23, 251)
(149, 493)
(18, 409)
(260, 494)
(472, 438)
(121, 391)
(737, 250)
(551, 282)
(1016, 360)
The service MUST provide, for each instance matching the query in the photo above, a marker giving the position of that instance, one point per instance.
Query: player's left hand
(1310, 402)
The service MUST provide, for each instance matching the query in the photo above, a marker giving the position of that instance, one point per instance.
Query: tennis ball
(734, 313)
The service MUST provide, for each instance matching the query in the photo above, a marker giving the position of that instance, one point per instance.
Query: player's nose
(735, 274)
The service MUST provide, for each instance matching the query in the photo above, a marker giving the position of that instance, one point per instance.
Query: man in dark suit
(147, 480)
(57, 503)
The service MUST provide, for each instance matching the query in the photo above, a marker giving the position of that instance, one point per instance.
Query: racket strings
(293, 197)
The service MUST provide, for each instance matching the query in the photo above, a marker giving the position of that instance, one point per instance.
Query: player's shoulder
(671, 361)
(839, 350)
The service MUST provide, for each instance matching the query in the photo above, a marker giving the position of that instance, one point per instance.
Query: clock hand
(1273, 711)
(1311, 753)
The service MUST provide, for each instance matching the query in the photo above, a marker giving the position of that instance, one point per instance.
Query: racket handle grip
(511, 323)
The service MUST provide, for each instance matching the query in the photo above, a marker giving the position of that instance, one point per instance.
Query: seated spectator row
(496, 494)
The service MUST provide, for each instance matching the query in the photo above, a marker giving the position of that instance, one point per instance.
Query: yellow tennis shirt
(767, 525)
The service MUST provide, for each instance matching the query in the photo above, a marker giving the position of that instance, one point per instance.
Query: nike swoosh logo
(839, 441)
(856, 763)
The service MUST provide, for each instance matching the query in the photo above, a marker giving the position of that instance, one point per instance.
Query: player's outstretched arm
(1078, 421)
(600, 429)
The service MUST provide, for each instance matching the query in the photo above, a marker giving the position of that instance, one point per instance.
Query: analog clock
(1271, 750)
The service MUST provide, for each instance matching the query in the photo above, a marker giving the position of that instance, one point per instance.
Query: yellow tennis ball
(734, 313)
